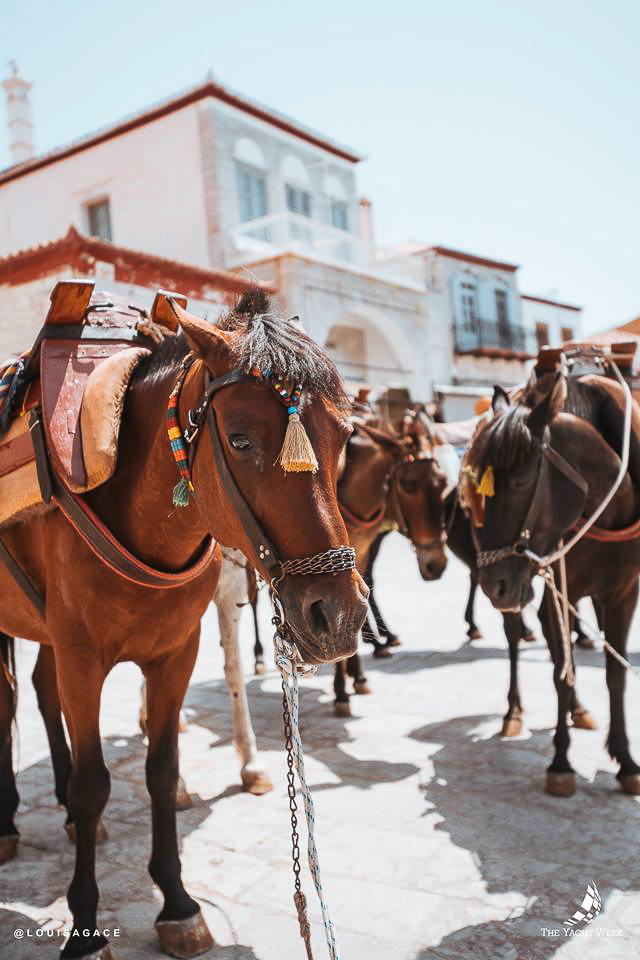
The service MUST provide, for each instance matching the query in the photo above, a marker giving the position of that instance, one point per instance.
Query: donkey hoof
(560, 784)
(585, 643)
(183, 798)
(529, 637)
(474, 634)
(361, 686)
(8, 847)
(630, 783)
(382, 653)
(583, 720)
(393, 640)
(511, 727)
(341, 709)
(259, 669)
(256, 782)
(184, 938)
(104, 953)
(101, 835)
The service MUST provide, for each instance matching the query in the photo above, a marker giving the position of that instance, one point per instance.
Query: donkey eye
(409, 486)
(239, 441)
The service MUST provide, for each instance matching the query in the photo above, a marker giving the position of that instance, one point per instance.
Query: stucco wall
(392, 315)
(555, 316)
(152, 176)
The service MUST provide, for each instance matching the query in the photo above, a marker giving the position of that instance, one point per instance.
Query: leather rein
(121, 561)
(389, 485)
(549, 456)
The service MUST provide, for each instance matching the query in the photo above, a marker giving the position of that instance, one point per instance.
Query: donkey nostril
(317, 620)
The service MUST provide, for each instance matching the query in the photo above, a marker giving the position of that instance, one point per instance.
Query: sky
(508, 128)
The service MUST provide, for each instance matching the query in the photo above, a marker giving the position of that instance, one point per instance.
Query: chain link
(331, 561)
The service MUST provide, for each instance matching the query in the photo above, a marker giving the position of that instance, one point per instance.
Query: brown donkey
(554, 458)
(95, 617)
(390, 478)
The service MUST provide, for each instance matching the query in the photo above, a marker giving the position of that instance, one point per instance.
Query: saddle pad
(101, 413)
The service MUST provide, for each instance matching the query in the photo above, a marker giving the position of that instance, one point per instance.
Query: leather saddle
(76, 377)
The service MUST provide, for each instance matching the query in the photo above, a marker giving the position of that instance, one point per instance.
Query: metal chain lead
(331, 561)
(286, 661)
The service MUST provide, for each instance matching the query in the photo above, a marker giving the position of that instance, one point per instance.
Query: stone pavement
(435, 837)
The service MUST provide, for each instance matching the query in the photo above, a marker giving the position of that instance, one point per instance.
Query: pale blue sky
(509, 129)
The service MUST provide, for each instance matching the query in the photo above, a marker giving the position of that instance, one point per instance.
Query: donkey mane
(506, 442)
(266, 342)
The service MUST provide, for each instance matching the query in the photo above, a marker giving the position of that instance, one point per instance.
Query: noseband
(548, 456)
(332, 561)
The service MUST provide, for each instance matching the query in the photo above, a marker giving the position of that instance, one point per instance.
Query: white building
(210, 182)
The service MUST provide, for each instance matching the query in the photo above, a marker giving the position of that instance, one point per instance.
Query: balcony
(490, 339)
(279, 232)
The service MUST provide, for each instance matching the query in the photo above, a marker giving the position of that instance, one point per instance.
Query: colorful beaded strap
(296, 456)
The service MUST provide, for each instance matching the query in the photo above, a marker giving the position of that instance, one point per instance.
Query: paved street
(435, 837)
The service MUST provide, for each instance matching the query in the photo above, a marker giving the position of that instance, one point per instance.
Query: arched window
(251, 181)
(297, 186)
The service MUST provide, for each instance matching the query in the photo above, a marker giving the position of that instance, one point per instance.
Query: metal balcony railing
(487, 334)
(291, 231)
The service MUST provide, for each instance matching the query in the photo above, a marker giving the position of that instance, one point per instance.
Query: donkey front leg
(512, 723)
(473, 633)
(80, 680)
(561, 778)
(617, 619)
(180, 925)
(9, 799)
(341, 705)
(354, 669)
(255, 778)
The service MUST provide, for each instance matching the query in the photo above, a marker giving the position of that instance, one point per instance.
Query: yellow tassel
(486, 486)
(297, 455)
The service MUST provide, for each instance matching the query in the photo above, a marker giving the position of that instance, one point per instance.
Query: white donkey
(230, 595)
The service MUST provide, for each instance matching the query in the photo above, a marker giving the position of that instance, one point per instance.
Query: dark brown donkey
(554, 458)
(94, 617)
(390, 479)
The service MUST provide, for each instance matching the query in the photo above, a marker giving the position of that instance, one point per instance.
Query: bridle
(548, 457)
(332, 561)
(389, 484)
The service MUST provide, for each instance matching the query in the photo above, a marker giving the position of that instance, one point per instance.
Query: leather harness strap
(547, 456)
(21, 579)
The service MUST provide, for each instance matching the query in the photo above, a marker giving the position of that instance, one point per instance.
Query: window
(252, 193)
(298, 200)
(468, 305)
(339, 215)
(502, 311)
(542, 335)
(99, 219)
(566, 334)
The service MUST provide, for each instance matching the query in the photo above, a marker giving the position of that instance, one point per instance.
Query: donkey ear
(206, 340)
(550, 405)
(500, 400)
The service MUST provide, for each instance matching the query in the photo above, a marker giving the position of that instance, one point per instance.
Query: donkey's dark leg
(383, 629)
(561, 778)
(473, 632)
(80, 681)
(8, 793)
(341, 706)
(354, 669)
(512, 723)
(258, 649)
(180, 925)
(580, 714)
(369, 636)
(46, 687)
(617, 619)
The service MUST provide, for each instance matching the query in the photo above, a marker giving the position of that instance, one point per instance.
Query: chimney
(366, 228)
(18, 115)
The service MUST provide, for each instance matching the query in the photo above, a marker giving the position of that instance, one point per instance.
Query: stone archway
(364, 352)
